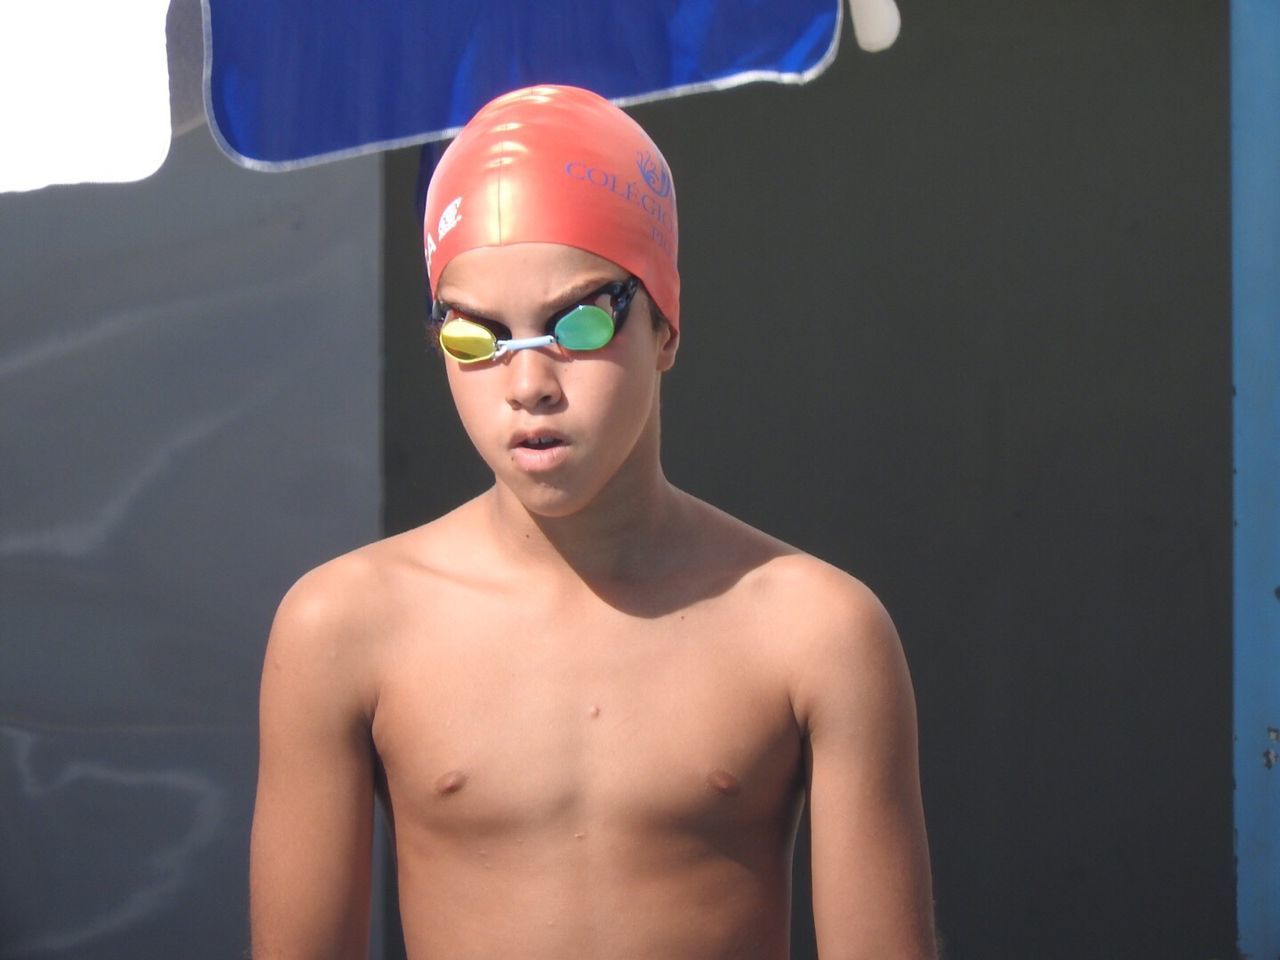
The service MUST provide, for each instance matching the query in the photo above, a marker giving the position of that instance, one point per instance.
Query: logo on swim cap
(654, 172)
(449, 219)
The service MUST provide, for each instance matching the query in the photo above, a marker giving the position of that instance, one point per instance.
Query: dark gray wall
(188, 421)
(956, 318)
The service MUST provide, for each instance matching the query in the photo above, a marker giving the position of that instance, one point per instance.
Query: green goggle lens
(585, 327)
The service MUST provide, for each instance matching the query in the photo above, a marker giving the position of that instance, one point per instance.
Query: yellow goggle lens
(467, 341)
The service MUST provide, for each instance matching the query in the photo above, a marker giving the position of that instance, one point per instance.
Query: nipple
(450, 782)
(722, 781)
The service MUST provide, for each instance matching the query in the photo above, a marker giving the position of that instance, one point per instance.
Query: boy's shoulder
(829, 636)
(808, 600)
(357, 588)
(775, 571)
(825, 616)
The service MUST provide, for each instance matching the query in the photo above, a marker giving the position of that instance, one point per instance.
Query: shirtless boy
(593, 704)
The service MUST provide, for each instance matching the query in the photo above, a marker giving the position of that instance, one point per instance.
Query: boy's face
(556, 427)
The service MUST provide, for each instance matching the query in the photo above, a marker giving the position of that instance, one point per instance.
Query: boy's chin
(547, 501)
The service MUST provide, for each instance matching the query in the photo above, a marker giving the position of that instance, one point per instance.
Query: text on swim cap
(644, 195)
(450, 218)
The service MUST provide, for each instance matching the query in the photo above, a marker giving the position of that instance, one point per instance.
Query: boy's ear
(668, 344)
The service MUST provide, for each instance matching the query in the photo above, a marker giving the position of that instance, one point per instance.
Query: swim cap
(560, 165)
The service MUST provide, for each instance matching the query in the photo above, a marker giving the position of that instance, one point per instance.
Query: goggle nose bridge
(524, 343)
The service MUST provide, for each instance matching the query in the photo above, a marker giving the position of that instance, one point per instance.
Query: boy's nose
(533, 379)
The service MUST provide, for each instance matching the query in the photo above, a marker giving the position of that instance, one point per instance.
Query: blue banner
(293, 81)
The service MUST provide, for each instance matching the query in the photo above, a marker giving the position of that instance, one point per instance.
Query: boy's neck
(625, 533)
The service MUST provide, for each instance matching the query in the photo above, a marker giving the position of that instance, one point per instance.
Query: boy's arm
(311, 849)
(872, 894)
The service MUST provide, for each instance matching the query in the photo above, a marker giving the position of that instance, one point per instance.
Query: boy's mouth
(541, 442)
(538, 452)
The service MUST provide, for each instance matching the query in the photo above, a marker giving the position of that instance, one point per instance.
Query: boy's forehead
(534, 270)
(533, 261)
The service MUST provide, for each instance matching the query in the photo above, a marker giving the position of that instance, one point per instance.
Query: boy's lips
(538, 450)
(536, 440)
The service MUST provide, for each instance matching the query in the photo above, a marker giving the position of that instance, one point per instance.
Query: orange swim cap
(560, 165)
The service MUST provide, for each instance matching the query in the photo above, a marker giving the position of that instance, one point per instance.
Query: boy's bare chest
(643, 728)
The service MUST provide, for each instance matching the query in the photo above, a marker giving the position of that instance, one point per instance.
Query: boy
(592, 704)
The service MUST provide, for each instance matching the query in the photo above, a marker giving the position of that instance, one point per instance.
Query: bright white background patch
(84, 91)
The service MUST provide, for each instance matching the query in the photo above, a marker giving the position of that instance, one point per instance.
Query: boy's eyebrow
(468, 311)
(568, 298)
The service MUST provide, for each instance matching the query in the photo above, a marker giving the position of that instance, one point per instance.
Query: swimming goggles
(584, 326)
